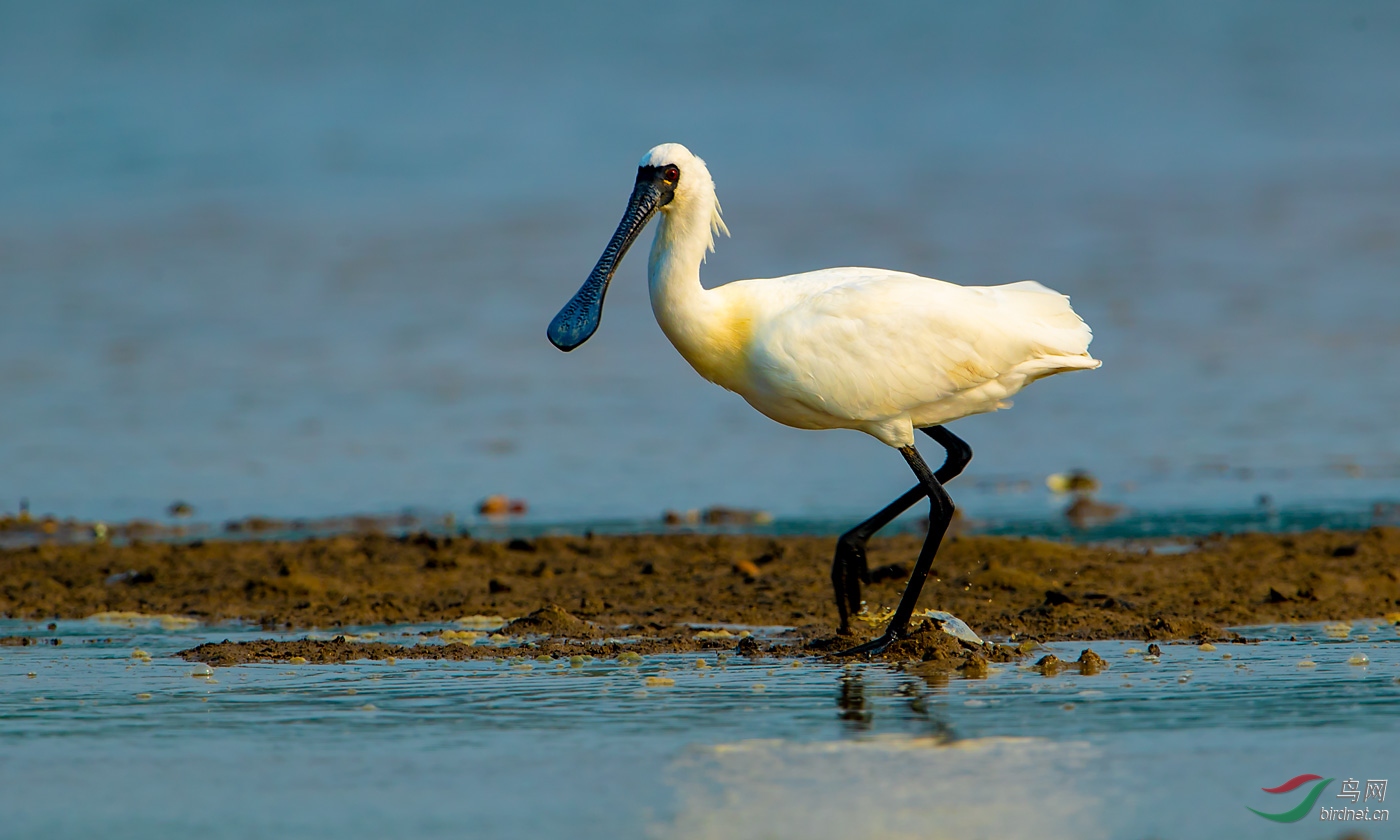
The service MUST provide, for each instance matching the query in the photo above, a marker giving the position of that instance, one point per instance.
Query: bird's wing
(866, 344)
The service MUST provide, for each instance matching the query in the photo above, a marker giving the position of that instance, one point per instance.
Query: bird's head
(671, 180)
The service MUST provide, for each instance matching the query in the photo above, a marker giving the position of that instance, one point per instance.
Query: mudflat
(582, 590)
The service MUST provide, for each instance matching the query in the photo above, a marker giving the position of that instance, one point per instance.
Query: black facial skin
(664, 177)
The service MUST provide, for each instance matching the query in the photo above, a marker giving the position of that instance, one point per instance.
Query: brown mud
(654, 588)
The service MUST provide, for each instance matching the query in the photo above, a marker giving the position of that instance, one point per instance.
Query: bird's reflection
(857, 707)
(851, 700)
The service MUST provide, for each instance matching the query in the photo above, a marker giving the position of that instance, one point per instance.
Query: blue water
(297, 259)
(97, 743)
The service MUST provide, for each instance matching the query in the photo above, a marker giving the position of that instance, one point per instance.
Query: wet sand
(584, 590)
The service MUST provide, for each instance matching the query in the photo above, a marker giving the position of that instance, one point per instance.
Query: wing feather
(864, 344)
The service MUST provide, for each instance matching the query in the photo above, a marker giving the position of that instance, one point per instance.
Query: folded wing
(874, 344)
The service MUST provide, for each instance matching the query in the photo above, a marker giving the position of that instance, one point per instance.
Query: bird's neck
(706, 325)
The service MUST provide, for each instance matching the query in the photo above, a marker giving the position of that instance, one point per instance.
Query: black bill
(578, 320)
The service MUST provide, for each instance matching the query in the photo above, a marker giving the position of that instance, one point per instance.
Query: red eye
(672, 174)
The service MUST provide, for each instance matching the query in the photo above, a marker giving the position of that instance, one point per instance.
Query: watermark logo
(1352, 789)
(1302, 808)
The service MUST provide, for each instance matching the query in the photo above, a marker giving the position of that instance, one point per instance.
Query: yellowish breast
(719, 350)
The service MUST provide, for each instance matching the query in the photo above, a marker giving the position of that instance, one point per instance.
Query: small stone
(748, 568)
(975, 668)
(1090, 663)
(1340, 630)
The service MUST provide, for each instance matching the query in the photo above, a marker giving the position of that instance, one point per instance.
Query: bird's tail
(1061, 337)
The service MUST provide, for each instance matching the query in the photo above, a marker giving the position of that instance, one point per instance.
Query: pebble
(461, 637)
(1340, 630)
(747, 568)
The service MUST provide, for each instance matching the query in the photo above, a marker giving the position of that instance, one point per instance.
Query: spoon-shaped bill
(578, 320)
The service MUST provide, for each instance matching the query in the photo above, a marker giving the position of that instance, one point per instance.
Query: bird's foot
(874, 647)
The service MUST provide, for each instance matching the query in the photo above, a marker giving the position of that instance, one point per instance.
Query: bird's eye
(671, 174)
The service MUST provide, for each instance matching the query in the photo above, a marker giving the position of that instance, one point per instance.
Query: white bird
(883, 352)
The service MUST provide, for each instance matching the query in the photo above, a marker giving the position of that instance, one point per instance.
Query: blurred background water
(297, 259)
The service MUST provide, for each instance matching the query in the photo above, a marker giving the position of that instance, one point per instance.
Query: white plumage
(880, 351)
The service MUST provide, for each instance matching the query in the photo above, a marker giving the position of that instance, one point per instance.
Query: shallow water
(298, 259)
(1175, 748)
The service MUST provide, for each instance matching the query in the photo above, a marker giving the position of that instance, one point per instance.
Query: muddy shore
(658, 586)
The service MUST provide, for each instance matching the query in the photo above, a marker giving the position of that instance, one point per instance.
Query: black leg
(939, 516)
(849, 569)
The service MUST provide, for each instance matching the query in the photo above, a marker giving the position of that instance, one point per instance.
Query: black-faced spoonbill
(880, 351)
